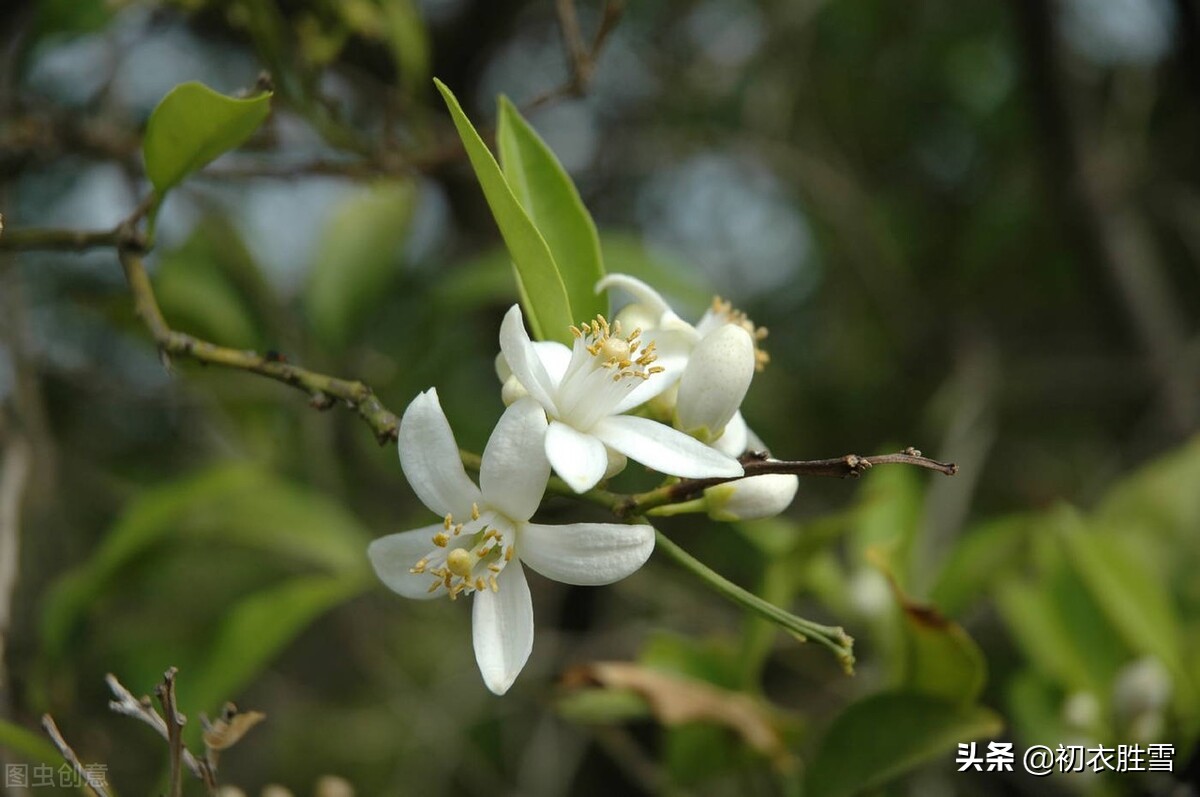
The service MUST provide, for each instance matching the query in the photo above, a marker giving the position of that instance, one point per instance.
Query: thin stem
(175, 722)
(833, 637)
(89, 781)
(325, 391)
(848, 466)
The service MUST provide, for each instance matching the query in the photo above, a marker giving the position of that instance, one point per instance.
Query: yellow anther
(492, 583)
(474, 511)
(495, 568)
(440, 539)
(447, 521)
(459, 562)
(479, 585)
(508, 553)
(433, 587)
(458, 529)
(483, 552)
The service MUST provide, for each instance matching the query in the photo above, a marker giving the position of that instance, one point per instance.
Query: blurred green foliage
(880, 184)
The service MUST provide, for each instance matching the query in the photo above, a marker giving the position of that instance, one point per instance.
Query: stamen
(626, 357)
(474, 511)
(492, 583)
(440, 539)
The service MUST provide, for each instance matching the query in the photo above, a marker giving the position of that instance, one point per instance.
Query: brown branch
(757, 464)
(125, 703)
(93, 785)
(324, 391)
(581, 58)
(165, 692)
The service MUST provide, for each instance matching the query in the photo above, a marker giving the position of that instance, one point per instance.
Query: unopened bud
(513, 391)
(751, 498)
(714, 383)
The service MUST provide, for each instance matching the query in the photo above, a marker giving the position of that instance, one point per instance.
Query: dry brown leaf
(676, 699)
(230, 727)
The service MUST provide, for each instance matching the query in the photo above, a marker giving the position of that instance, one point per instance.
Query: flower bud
(714, 383)
(751, 498)
(513, 391)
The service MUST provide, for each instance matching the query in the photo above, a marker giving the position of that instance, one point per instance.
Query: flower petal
(736, 438)
(715, 382)
(430, 459)
(638, 290)
(649, 299)
(522, 358)
(515, 469)
(664, 449)
(580, 459)
(394, 555)
(673, 348)
(554, 357)
(502, 629)
(586, 554)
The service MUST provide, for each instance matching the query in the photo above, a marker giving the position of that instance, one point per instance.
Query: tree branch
(324, 391)
(757, 464)
(69, 756)
(125, 703)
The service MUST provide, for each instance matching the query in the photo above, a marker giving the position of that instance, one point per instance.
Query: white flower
(584, 390)
(719, 363)
(714, 383)
(486, 535)
(751, 498)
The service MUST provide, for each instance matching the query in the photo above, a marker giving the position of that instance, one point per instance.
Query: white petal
(578, 458)
(522, 358)
(673, 350)
(515, 469)
(554, 357)
(639, 290)
(430, 459)
(587, 554)
(736, 438)
(664, 449)
(715, 382)
(749, 499)
(394, 555)
(502, 628)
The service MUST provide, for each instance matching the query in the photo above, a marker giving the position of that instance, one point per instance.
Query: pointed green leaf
(192, 126)
(888, 734)
(357, 257)
(548, 310)
(257, 629)
(236, 504)
(545, 190)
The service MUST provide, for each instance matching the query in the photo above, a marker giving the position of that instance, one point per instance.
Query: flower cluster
(570, 411)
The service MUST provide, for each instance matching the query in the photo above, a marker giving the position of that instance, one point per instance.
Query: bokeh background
(970, 227)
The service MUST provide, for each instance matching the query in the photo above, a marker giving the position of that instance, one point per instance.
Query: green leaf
(257, 629)
(545, 190)
(888, 734)
(26, 744)
(1132, 598)
(356, 259)
(985, 554)
(33, 749)
(548, 309)
(192, 126)
(409, 40)
(942, 659)
(240, 505)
